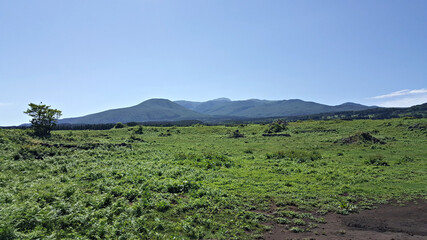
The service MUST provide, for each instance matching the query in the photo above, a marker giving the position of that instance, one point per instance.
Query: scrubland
(204, 181)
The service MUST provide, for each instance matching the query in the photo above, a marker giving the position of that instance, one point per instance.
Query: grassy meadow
(200, 182)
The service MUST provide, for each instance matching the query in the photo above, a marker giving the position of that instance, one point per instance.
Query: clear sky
(85, 56)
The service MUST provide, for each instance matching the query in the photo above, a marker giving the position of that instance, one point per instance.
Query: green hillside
(255, 108)
(223, 108)
(150, 110)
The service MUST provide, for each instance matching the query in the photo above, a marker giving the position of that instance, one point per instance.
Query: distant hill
(255, 108)
(214, 110)
(162, 112)
(203, 107)
(150, 110)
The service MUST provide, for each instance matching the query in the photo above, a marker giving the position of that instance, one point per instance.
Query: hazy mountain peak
(223, 99)
(349, 104)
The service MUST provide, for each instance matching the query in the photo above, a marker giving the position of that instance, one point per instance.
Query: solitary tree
(44, 118)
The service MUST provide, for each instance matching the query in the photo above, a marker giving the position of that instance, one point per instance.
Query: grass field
(198, 182)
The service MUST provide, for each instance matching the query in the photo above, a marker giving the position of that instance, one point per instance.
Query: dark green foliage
(281, 220)
(139, 130)
(377, 160)
(277, 126)
(105, 126)
(162, 206)
(418, 126)
(119, 125)
(7, 233)
(405, 159)
(132, 124)
(346, 207)
(236, 134)
(43, 119)
(362, 137)
(181, 186)
(276, 155)
(134, 138)
(249, 151)
(166, 134)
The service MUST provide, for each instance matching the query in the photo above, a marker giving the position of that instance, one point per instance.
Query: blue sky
(87, 56)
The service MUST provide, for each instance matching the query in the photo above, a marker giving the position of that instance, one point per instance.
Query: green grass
(197, 182)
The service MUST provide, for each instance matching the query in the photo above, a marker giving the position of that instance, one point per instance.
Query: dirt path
(387, 222)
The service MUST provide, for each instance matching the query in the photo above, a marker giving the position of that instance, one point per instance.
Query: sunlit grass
(198, 182)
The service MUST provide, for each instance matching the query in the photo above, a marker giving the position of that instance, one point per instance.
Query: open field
(198, 182)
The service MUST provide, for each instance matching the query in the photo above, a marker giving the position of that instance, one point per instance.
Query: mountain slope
(222, 108)
(264, 108)
(204, 107)
(150, 110)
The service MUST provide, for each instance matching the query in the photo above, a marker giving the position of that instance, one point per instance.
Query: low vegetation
(204, 182)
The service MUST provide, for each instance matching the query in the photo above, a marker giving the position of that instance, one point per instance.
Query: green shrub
(7, 233)
(281, 220)
(119, 125)
(345, 207)
(236, 134)
(207, 160)
(296, 229)
(248, 151)
(139, 130)
(277, 126)
(276, 155)
(405, 159)
(166, 134)
(299, 222)
(181, 187)
(377, 160)
(162, 206)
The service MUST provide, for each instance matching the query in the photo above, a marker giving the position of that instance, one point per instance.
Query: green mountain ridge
(222, 109)
(265, 108)
(150, 110)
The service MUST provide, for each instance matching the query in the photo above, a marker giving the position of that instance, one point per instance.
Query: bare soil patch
(387, 222)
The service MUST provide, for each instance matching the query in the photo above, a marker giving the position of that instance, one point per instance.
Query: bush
(248, 151)
(236, 134)
(281, 220)
(119, 125)
(299, 222)
(167, 134)
(139, 130)
(277, 126)
(405, 159)
(162, 206)
(181, 187)
(377, 160)
(276, 155)
(296, 229)
(7, 232)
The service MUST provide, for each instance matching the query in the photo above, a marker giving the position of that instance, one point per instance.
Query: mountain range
(255, 108)
(221, 108)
